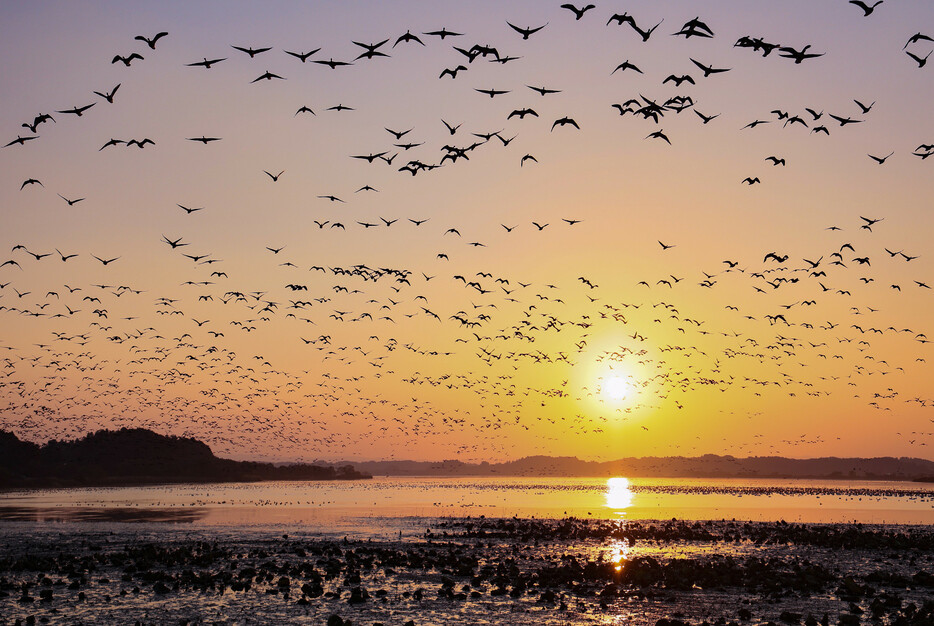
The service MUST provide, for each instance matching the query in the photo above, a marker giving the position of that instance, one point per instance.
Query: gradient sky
(355, 365)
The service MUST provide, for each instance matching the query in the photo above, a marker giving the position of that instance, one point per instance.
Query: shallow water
(467, 551)
(342, 506)
(461, 571)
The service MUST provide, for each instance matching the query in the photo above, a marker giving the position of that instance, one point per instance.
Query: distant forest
(707, 466)
(139, 456)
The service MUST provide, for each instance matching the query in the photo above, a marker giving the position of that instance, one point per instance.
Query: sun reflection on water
(619, 554)
(618, 494)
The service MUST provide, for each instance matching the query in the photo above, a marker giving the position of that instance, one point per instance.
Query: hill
(139, 456)
(707, 466)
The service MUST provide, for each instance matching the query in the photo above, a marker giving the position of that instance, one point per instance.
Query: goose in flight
(206, 63)
(578, 12)
(128, 59)
(250, 51)
(526, 32)
(151, 42)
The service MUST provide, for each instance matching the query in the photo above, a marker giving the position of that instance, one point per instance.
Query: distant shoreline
(137, 457)
(707, 466)
(38, 485)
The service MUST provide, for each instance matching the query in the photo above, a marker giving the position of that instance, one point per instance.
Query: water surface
(333, 505)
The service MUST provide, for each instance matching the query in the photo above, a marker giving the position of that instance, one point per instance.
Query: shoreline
(39, 484)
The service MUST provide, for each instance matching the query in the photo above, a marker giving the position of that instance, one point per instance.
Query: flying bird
(492, 92)
(331, 63)
(867, 9)
(70, 202)
(20, 140)
(708, 70)
(565, 121)
(151, 42)
(302, 56)
(916, 38)
(695, 28)
(250, 51)
(266, 76)
(921, 61)
(128, 59)
(626, 65)
(659, 134)
(526, 32)
(406, 38)
(443, 33)
(79, 111)
(109, 96)
(798, 55)
(206, 63)
(451, 71)
(578, 12)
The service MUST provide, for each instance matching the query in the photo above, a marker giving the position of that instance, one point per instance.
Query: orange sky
(553, 285)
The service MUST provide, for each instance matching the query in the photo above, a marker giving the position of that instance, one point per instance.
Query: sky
(385, 262)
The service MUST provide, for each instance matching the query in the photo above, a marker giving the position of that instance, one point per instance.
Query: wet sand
(472, 571)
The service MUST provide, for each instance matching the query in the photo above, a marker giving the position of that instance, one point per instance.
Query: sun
(615, 388)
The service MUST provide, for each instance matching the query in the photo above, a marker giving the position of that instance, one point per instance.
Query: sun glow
(615, 389)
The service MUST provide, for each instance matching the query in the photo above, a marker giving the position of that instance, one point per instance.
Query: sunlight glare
(616, 388)
(618, 493)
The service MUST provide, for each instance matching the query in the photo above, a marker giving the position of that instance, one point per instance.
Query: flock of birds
(371, 353)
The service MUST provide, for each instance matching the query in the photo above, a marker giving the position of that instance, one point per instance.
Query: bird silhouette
(626, 65)
(443, 33)
(406, 38)
(108, 96)
(302, 56)
(70, 202)
(798, 55)
(543, 90)
(880, 160)
(151, 41)
(19, 141)
(206, 64)
(659, 134)
(565, 121)
(451, 71)
(79, 111)
(867, 9)
(578, 12)
(921, 61)
(708, 70)
(492, 92)
(526, 32)
(251, 51)
(695, 28)
(266, 76)
(127, 60)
